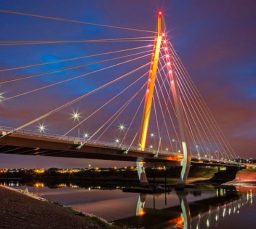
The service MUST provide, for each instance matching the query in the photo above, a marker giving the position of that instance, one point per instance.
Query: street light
(41, 128)
(76, 117)
(176, 144)
(152, 135)
(121, 127)
(86, 135)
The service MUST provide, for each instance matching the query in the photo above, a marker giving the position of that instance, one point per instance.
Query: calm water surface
(200, 208)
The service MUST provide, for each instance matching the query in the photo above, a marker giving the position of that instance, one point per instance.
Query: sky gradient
(215, 40)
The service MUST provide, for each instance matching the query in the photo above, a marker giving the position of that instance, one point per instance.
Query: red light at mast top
(160, 13)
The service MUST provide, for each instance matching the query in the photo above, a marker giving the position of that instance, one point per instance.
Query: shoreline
(26, 193)
(19, 209)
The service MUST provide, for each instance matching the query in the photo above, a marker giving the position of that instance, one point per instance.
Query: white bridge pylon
(161, 41)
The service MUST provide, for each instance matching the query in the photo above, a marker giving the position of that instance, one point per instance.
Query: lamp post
(152, 135)
(76, 117)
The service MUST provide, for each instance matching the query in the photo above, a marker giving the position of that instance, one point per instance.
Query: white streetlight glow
(76, 115)
(41, 128)
(151, 147)
(86, 135)
(152, 135)
(121, 127)
(117, 140)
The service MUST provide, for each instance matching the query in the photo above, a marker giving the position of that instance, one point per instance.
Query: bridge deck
(31, 143)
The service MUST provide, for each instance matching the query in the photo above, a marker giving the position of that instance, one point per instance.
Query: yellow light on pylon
(151, 81)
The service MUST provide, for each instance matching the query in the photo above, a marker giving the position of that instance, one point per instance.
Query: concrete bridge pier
(141, 171)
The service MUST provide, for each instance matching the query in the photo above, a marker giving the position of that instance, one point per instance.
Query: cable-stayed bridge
(131, 99)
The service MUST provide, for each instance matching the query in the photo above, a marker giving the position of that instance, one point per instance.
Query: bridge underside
(45, 146)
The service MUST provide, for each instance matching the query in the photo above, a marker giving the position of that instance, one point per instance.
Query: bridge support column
(141, 172)
(185, 163)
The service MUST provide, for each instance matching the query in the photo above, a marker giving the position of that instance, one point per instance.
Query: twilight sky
(215, 40)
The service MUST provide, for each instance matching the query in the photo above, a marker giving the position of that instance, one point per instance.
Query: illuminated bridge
(129, 98)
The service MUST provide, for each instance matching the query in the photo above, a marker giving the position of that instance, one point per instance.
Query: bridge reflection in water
(201, 207)
(201, 213)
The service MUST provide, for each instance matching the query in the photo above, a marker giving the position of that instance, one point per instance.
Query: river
(197, 207)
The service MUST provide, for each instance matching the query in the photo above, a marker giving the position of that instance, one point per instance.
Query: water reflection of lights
(39, 185)
(13, 184)
(62, 185)
(224, 212)
(214, 215)
(141, 213)
(208, 223)
(178, 221)
(74, 186)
